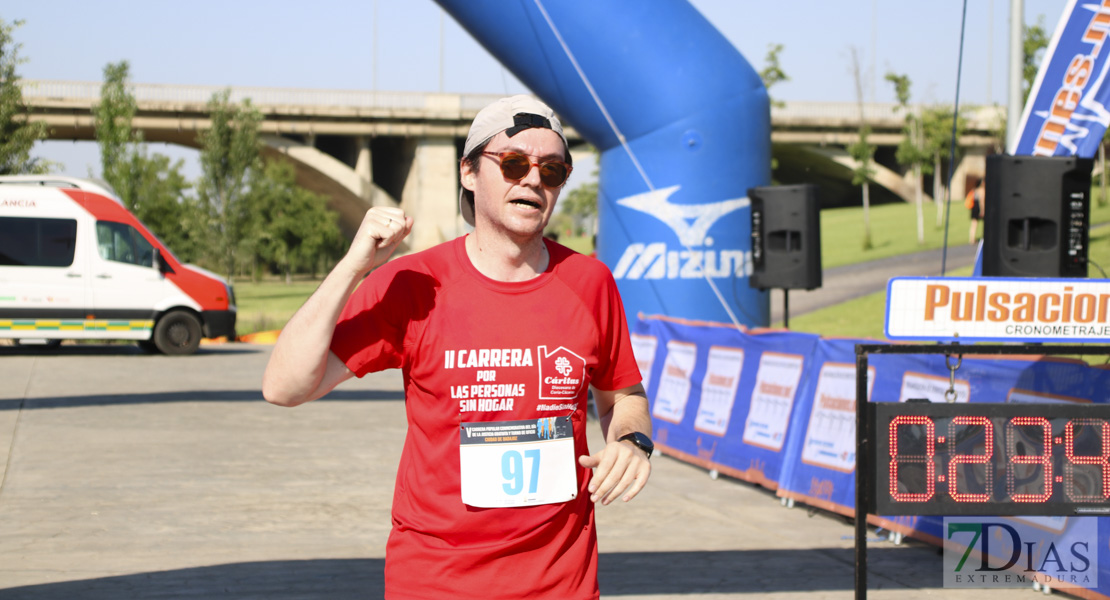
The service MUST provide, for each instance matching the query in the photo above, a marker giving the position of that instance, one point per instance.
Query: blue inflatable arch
(682, 124)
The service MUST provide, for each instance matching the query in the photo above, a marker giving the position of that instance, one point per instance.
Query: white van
(76, 264)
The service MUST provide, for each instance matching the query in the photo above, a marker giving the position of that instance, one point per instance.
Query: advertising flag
(1066, 113)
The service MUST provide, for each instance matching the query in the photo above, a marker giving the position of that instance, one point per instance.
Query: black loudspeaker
(786, 237)
(1036, 217)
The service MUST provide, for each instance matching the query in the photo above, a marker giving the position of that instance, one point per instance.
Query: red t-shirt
(472, 350)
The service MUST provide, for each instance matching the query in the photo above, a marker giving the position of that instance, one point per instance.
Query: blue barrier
(736, 418)
(819, 467)
(719, 395)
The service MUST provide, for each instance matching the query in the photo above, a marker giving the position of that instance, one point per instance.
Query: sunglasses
(515, 166)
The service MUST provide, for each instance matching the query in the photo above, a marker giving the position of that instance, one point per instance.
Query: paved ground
(131, 476)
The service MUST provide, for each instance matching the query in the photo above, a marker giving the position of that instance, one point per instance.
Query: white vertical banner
(830, 439)
(718, 389)
(643, 348)
(674, 382)
(776, 387)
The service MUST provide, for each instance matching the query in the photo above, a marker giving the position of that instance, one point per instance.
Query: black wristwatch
(639, 440)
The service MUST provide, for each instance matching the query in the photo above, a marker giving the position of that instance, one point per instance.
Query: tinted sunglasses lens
(515, 166)
(553, 174)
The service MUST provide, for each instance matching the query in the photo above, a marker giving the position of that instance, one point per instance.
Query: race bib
(517, 463)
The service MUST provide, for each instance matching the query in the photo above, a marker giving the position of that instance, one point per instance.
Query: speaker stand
(785, 308)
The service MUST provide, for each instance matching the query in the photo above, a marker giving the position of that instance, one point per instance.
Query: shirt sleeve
(370, 334)
(617, 368)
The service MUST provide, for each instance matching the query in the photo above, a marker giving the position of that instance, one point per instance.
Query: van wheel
(177, 333)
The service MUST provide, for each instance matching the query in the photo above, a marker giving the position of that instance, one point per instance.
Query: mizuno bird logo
(690, 222)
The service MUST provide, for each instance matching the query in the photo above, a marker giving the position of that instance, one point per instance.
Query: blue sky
(410, 45)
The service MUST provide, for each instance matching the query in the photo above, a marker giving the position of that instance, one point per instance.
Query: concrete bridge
(367, 148)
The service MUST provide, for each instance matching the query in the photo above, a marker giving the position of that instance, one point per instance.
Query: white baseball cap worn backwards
(511, 115)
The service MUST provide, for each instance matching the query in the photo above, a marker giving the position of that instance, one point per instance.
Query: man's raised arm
(302, 366)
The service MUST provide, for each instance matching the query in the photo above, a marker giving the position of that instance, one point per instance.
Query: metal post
(374, 53)
(990, 50)
(863, 469)
(785, 308)
(441, 49)
(1014, 102)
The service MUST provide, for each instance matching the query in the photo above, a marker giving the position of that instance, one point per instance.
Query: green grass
(583, 244)
(268, 304)
(894, 231)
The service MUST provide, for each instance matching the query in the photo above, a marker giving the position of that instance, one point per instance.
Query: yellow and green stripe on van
(74, 325)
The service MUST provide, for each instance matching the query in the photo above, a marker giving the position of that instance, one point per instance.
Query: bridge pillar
(364, 168)
(431, 192)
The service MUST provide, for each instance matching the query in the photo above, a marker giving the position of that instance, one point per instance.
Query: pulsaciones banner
(1023, 309)
(1066, 113)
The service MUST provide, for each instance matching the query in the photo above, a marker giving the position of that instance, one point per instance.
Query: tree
(161, 201)
(1033, 41)
(772, 73)
(230, 151)
(290, 227)
(861, 151)
(578, 207)
(148, 184)
(581, 206)
(910, 152)
(937, 126)
(112, 118)
(18, 134)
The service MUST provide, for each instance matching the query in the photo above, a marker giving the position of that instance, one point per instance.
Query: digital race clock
(989, 459)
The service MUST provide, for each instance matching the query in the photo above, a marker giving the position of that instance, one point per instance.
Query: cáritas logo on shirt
(562, 374)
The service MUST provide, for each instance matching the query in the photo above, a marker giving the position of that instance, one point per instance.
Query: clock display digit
(912, 448)
(1087, 472)
(1029, 446)
(972, 470)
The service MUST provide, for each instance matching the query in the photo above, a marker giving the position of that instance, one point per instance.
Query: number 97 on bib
(517, 463)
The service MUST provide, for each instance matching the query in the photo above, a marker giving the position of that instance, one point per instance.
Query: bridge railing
(880, 114)
(840, 112)
(87, 92)
(51, 92)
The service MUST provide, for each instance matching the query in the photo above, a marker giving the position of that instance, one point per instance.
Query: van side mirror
(159, 262)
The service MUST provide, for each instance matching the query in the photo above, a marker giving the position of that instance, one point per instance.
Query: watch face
(642, 441)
